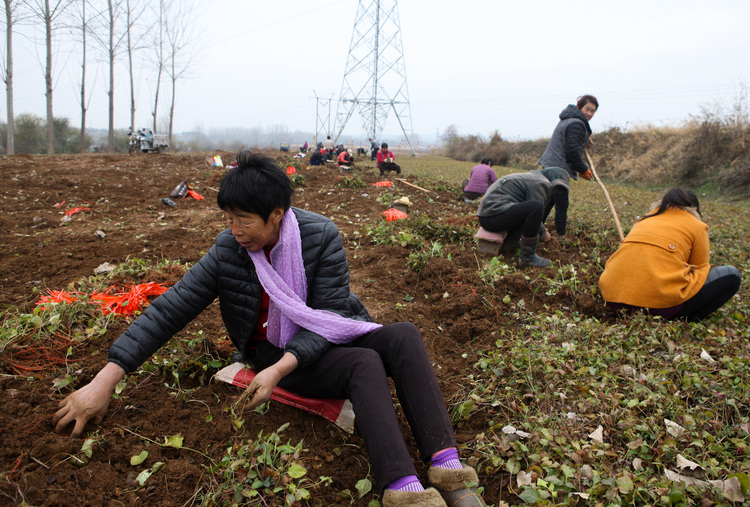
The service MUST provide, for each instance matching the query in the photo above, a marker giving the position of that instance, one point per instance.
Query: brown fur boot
(458, 487)
(427, 498)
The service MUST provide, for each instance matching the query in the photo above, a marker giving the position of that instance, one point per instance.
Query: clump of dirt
(457, 312)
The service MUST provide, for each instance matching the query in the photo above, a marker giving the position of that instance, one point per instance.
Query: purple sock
(447, 459)
(406, 483)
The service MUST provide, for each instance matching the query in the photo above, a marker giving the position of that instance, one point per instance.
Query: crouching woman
(662, 267)
(515, 203)
(282, 280)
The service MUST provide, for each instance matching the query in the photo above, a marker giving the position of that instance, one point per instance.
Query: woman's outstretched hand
(88, 403)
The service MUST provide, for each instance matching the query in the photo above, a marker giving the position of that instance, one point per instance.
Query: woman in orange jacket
(662, 267)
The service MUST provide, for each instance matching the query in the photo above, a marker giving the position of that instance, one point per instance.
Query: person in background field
(480, 179)
(282, 280)
(317, 158)
(515, 203)
(329, 147)
(304, 147)
(345, 159)
(374, 148)
(565, 149)
(386, 161)
(662, 267)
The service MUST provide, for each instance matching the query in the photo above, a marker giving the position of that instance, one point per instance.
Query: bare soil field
(457, 312)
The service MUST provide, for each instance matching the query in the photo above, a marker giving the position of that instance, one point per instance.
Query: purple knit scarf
(286, 285)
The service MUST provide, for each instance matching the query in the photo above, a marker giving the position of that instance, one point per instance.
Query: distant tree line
(162, 33)
(31, 135)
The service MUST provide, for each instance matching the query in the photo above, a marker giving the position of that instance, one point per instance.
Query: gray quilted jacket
(521, 187)
(226, 271)
(569, 139)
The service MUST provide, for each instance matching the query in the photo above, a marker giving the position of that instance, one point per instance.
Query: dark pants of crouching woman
(358, 371)
(525, 217)
(722, 283)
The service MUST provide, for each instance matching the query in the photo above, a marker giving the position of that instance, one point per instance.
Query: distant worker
(386, 161)
(482, 176)
(329, 147)
(565, 150)
(345, 159)
(515, 203)
(374, 148)
(304, 147)
(662, 267)
(317, 158)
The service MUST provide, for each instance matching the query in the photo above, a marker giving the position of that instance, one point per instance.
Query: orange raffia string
(195, 195)
(128, 302)
(125, 302)
(73, 211)
(383, 184)
(56, 296)
(394, 214)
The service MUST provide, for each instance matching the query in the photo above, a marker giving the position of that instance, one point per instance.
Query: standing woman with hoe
(565, 150)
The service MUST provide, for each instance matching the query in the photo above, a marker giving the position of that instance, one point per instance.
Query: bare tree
(182, 45)
(84, 105)
(7, 70)
(113, 44)
(49, 13)
(111, 39)
(159, 58)
(134, 10)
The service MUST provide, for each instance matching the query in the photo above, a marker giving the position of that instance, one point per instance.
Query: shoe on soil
(528, 253)
(427, 498)
(457, 487)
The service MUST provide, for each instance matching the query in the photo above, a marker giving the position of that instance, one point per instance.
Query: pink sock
(448, 459)
(406, 483)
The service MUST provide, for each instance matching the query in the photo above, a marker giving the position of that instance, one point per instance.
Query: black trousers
(722, 283)
(560, 201)
(359, 371)
(383, 167)
(524, 217)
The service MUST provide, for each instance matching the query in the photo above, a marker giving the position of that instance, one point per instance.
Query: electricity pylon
(375, 77)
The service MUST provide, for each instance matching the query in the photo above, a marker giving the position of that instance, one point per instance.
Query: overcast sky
(481, 65)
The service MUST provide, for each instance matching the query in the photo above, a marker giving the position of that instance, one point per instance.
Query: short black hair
(384, 145)
(586, 99)
(257, 185)
(487, 161)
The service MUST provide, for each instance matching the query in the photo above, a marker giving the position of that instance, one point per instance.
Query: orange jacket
(662, 262)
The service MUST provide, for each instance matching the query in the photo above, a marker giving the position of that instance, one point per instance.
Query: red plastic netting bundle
(394, 214)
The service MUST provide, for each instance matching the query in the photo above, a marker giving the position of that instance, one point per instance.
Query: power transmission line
(375, 77)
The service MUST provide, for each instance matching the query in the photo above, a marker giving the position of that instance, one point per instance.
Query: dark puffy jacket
(570, 137)
(521, 187)
(227, 271)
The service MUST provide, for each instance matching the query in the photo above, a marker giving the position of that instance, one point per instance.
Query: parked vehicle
(146, 141)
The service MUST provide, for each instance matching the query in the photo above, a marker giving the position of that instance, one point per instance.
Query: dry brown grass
(711, 152)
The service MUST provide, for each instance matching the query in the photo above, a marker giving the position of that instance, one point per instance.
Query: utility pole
(375, 77)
